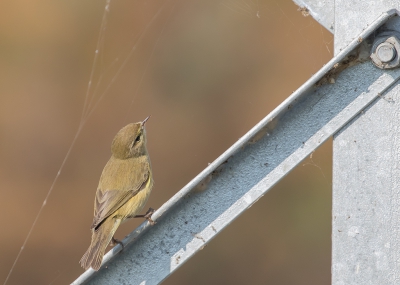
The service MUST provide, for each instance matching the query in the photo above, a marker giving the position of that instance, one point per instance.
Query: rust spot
(304, 11)
(199, 237)
(219, 169)
(331, 75)
(360, 54)
(266, 130)
(203, 184)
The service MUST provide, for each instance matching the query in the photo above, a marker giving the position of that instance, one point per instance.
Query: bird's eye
(138, 138)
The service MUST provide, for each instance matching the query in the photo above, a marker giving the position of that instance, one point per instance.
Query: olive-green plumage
(123, 190)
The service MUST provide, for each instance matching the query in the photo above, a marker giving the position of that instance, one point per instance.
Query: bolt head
(386, 52)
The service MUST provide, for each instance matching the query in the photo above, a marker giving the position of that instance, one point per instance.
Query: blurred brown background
(206, 71)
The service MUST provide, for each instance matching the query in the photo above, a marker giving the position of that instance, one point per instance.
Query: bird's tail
(100, 240)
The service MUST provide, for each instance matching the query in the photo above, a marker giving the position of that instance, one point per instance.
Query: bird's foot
(147, 216)
(115, 241)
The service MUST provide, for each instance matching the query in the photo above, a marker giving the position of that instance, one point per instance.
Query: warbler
(124, 188)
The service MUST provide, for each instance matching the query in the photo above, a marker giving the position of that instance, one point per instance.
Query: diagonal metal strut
(248, 169)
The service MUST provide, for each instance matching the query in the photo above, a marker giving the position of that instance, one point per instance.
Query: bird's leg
(147, 216)
(115, 241)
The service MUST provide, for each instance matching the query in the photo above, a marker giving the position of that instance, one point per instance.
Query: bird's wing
(107, 202)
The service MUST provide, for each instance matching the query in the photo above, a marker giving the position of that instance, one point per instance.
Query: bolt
(385, 52)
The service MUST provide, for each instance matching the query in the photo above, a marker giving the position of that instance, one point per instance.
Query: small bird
(124, 187)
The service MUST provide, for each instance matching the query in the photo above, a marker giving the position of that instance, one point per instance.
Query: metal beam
(248, 169)
(366, 171)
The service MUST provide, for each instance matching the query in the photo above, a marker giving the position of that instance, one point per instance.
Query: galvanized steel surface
(321, 10)
(244, 173)
(366, 179)
(366, 170)
(354, 16)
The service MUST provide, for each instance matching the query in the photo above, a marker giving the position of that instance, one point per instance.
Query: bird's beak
(145, 120)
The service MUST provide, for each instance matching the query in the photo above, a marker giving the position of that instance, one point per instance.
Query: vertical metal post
(366, 171)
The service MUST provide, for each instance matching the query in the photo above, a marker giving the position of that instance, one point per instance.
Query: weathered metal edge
(323, 13)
